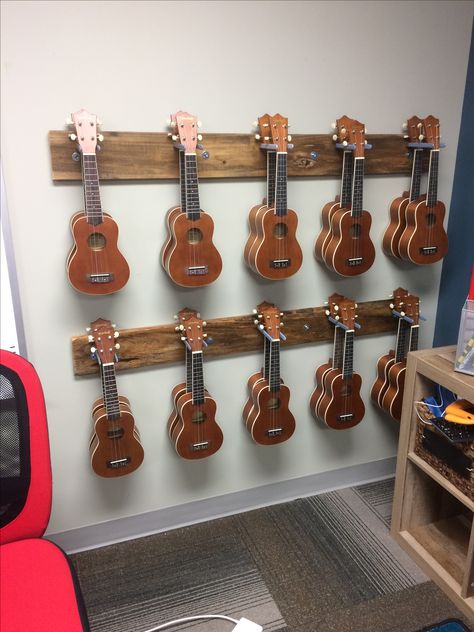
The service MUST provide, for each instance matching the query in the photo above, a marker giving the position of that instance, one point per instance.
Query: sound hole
(273, 403)
(96, 241)
(431, 219)
(280, 230)
(194, 236)
(346, 390)
(198, 417)
(355, 230)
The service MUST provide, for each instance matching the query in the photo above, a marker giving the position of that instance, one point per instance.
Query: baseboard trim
(113, 531)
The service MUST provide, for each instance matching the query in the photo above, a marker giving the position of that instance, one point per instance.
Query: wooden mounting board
(148, 346)
(152, 156)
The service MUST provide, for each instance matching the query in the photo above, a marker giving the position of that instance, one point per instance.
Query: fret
(417, 168)
(90, 181)
(182, 182)
(346, 180)
(109, 391)
(348, 360)
(414, 329)
(432, 192)
(338, 348)
(271, 177)
(193, 208)
(358, 187)
(281, 203)
(197, 378)
(274, 365)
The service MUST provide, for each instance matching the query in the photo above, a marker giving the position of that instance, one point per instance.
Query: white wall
(228, 62)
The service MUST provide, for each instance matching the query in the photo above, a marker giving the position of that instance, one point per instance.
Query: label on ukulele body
(280, 263)
(274, 432)
(354, 261)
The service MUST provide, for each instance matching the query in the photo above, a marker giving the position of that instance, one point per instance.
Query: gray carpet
(319, 564)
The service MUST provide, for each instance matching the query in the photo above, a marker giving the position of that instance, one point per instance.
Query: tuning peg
(266, 138)
(334, 137)
(116, 334)
(175, 316)
(344, 142)
(392, 306)
(334, 125)
(257, 136)
(419, 125)
(90, 338)
(336, 308)
(281, 313)
(327, 312)
(117, 345)
(255, 322)
(199, 136)
(260, 316)
(100, 137)
(199, 124)
(337, 317)
(72, 136)
(405, 136)
(282, 324)
(174, 137)
(289, 137)
(420, 137)
(261, 326)
(404, 127)
(204, 335)
(93, 349)
(183, 338)
(88, 329)
(254, 311)
(69, 120)
(356, 315)
(181, 327)
(365, 130)
(356, 305)
(343, 130)
(176, 328)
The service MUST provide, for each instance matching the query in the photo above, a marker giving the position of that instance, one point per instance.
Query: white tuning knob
(114, 325)
(281, 313)
(255, 322)
(404, 127)
(176, 328)
(333, 125)
(181, 327)
(199, 136)
(174, 137)
(88, 328)
(254, 311)
(406, 136)
(198, 314)
(334, 136)
(343, 130)
(175, 317)
(419, 125)
(356, 305)
(336, 308)
(392, 306)
(365, 130)
(257, 136)
(116, 334)
(337, 317)
(100, 137)
(68, 120)
(90, 338)
(266, 138)
(420, 137)
(72, 136)
(327, 312)
(117, 345)
(199, 124)
(344, 142)
(261, 326)
(366, 142)
(204, 323)
(289, 138)
(93, 349)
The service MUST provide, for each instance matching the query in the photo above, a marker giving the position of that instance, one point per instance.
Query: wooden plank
(148, 346)
(152, 156)
(467, 588)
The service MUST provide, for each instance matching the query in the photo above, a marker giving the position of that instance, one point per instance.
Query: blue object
(445, 397)
(450, 625)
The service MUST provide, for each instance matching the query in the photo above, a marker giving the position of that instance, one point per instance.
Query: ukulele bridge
(105, 277)
(274, 432)
(347, 417)
(280, 263)
(197, 447)
(116, 464)
(429, 250)
(354, 261)
(196, 270)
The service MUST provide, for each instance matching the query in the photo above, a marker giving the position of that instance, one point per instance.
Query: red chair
(38, 587)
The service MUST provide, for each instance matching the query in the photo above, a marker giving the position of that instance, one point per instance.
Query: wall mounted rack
(149, 346)
(152, 156)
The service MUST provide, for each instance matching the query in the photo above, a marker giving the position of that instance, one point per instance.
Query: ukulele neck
(90, 181)
(189, 370)
(413, 345)
(432, 193)
(348, 355)
(274, 366)
(338, 348)
(266, 358)
(358, 187)
(109, 391)
(416, 171)
(346, 180)
(191, 187)
(182, 181)
(401, 344)
(197, 378)
(281, 180)
(271, 177)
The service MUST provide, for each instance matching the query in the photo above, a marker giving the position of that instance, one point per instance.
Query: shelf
(435, 475)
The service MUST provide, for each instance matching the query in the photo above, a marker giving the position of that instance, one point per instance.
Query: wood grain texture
(149, 346)
(152, 156)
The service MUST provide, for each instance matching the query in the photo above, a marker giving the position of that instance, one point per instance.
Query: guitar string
(90, 226)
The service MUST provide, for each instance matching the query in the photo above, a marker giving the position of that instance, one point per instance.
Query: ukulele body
(324, 236)
(271, 421)
(115, 447)
(253, 214)
(173, 419)
(393, 398)
(165, 249)
(320, 377)
(193, 260)
(95, 252)
(197, 434)
(350, 242)
(424, 239)
(341, 406)
(381, 383)
(249, 405)
(276, 253)
(396, 226)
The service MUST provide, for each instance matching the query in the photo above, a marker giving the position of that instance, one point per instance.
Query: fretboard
(90, 181)
(109, 391)
(193, 208)
(402, 339)
(274, 365)
(189, 370)
(432, 193)
(348, 359)
(414, 329)
(346, 180)
(358, 187)
(338, 348)
(266, 357)
(416, 171)
(197, 378)
(271, 175)
(182, 181)
(281, 203)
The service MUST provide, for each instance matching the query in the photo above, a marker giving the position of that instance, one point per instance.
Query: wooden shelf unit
(432, 519)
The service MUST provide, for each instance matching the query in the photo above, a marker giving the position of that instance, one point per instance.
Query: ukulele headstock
(415, 129)
(279, 132)
(85, 125)
(269, 319)
(431, 126)
(193, 331)
(185, 131)
(398, 299)
(347, 312)
(333, 305)
(102, 335)
(412, 308)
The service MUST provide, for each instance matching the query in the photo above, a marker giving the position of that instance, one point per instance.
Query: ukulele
(275, 253)
(391, 238)
(333, 363)
(424, 239)
(269, 200)
(94, 265)
(196, 434)
(393, 397)
(115, 446)
(341, 406)
(270, 421)
(384, 363)
(343, 200)
(350, 250)
(189, 255)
